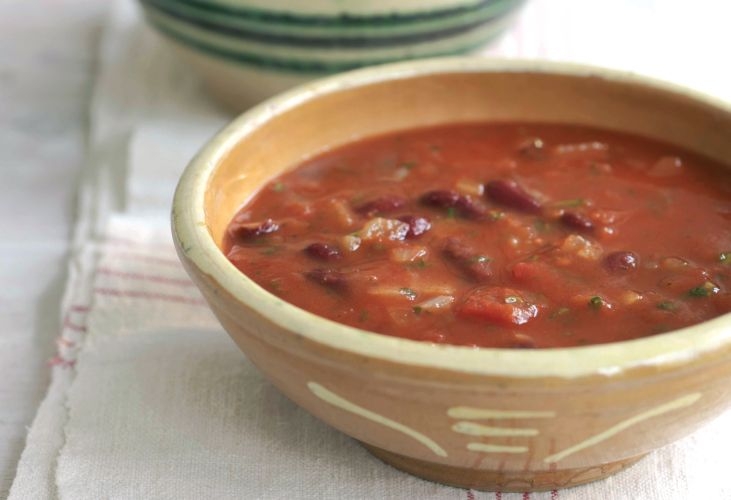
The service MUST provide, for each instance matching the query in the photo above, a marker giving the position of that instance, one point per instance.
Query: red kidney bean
(328, 277)
(249, 230)
(465, 206)
(440, 198)
(472, 264)
(383, 204)
(576, 220)
(417, 225)
(620, 262)
(323, 251)
(470, 208)
(509, 193)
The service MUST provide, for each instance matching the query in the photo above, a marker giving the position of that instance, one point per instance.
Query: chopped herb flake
(451, 212)
(596, 302)
(725, 257)
(408, 165)
(576, 202)
(278, 187)
(496, 214)
(704, 290)
(363, 316)
(562, 311)
(666, 305)
(417, 309)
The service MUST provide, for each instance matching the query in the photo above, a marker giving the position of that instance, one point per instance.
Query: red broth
(496, 235)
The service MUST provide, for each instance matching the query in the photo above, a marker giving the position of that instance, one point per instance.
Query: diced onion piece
(470, 186)
(342, 213)
(430, 289)
(593, 150)
(391, 291)
(673, 263)
(401, 173)
(582, 247)
(667, 166)
(351, 242)
(407, 254)
(379, 228)
(436, 303)
(630, 297)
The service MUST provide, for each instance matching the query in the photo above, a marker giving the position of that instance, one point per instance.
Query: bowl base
(504, 481)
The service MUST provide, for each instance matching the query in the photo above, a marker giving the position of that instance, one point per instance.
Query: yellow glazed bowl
(481, 418)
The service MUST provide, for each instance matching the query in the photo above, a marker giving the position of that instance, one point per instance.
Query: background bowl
(247, 50)
(481, 418)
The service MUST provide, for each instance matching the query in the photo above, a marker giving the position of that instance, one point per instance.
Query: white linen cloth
(149, 397)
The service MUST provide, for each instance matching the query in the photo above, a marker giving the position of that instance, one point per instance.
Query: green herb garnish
(596, 302)
(278, 187)
(408, 165)
(560, 312)
(576, 202)
(496, 214)
(725, 257)
(704, 290)
(417, 309)
(666, 305)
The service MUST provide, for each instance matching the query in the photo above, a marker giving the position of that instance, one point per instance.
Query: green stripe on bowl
(318, 35)
(308, 67)
(347, 56)
(269, 16)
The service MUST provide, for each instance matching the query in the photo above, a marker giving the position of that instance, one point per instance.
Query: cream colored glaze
(675, 404)
(496, 448)
(342, 403)
(467, 413)
(473, 429)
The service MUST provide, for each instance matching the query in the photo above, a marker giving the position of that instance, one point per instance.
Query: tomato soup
(496, 235)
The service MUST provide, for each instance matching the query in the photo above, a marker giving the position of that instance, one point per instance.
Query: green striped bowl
(247, 50)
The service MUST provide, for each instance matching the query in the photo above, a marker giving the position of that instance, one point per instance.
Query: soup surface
(496, 235)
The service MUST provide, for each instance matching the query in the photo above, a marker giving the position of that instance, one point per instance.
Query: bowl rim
(196, 243)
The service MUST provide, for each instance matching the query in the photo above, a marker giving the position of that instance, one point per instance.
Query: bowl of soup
(501, 275)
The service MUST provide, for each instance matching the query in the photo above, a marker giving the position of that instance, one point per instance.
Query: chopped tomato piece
(503, 306)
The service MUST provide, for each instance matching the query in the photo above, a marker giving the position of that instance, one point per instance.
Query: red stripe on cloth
(74, 326)
(470, 495)
(79, 308)
(526, 495)
(145, 277)
(498, 495)
(61, 362)
(554, 494)
(136, 294)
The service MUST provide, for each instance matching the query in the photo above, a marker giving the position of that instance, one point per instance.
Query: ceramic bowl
(246, 50)
(481, 418)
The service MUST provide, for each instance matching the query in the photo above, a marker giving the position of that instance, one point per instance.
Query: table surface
(47, 69)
